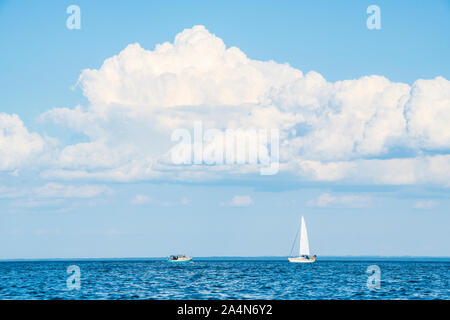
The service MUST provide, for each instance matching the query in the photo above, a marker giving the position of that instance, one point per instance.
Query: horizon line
(229, 257)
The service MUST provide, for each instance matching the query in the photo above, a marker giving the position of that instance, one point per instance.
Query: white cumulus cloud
(349, 130)
(18, 147)
(428, 113)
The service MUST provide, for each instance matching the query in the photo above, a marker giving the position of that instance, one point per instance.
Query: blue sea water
(224, 279)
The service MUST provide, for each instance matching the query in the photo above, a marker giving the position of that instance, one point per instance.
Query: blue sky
(52, 204)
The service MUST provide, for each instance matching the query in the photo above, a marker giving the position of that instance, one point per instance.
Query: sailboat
(303, 255)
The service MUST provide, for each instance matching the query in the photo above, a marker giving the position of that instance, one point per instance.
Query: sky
(88, 116)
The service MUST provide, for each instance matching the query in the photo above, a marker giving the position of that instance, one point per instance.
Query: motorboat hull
(180, 260)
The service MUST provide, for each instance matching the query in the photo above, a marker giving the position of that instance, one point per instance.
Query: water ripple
(224, 280)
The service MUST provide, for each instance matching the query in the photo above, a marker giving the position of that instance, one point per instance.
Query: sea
(226, 278)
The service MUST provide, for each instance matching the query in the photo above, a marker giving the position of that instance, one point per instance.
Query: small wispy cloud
(184, 201)
(425, 204)
(9, 193)
(239, 201)
(38, 203)
(52, 197)
(46, 232)
(342, 201)
(113, 232)
(141, 199)
(53, 205)
(56, 190)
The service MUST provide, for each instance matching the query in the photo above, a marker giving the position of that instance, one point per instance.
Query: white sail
(304, 244)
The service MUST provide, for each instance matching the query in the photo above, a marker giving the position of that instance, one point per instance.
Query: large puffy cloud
(348, 119)
(197, 69)
(428, 113)
(18, 147)
(346, 130)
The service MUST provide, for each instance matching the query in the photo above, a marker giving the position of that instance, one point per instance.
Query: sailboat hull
(302, 260)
